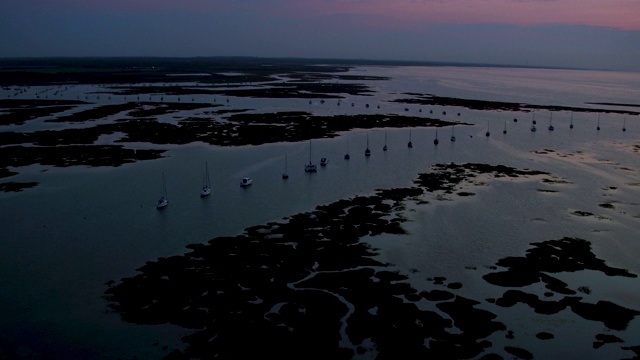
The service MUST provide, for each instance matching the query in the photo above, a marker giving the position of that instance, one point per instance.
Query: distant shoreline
(37, 62)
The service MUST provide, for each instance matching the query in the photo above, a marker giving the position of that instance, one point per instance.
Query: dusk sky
(601, 34)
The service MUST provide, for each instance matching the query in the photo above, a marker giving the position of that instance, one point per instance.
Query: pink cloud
(623, 14)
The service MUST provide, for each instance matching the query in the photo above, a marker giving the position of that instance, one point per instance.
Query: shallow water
(84, 226)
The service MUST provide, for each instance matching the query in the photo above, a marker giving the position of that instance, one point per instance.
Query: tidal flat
(483, 239)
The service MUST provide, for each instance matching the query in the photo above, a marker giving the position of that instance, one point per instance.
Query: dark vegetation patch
(447, 176)
(614, 104)
(132, 109)
(282, 285)
(519, 352)
(13, 104)
(96, 113)
(237, 130)
(555, 181)
(287, 285)
(17, 112)
(73, 155)
(582, 213)
(584, 290)
(16, 186)
(634, 349)
(230, 287)
(275, 90)
(544, 336)
(603, 339)
(430, 99)
(556, 256)
(553, 256)
(6, 173)
(316, 76)
(437, 295)
(214, 70)
(465, 193)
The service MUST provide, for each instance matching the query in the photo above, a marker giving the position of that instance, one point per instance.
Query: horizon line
(320, 60)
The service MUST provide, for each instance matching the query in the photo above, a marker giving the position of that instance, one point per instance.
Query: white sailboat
(347, 156)
(571, 125)
(246, 182)
(206, 183)
(310, 167)
(385, 148)
(285, 175)
(367, 152)
(163, 201)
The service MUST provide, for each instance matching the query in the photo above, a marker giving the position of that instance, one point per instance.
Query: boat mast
(164, 184)
(571, 125)
(206, 169)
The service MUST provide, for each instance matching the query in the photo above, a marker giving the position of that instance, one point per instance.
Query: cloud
(622, 14)
(529, 32)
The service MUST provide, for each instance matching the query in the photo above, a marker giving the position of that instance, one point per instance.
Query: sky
(593, 34)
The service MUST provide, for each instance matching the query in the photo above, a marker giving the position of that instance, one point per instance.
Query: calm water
(84, 226)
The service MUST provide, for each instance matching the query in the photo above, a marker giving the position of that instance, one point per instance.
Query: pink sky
(624, 14)
(477, 31)
(621, 14)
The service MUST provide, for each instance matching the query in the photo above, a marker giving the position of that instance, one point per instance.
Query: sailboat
(453, 137)
(367, 152)
(487, 134)
(624, 124)
(284, 173)
(505, 127)
(571, 125)
(435, 141)
(409, 144)
(310, 167)
(384, 148)
(533, 122)
(206, 183)
(598, 128)
(347, 156)
(550, 125)
(163, 201)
